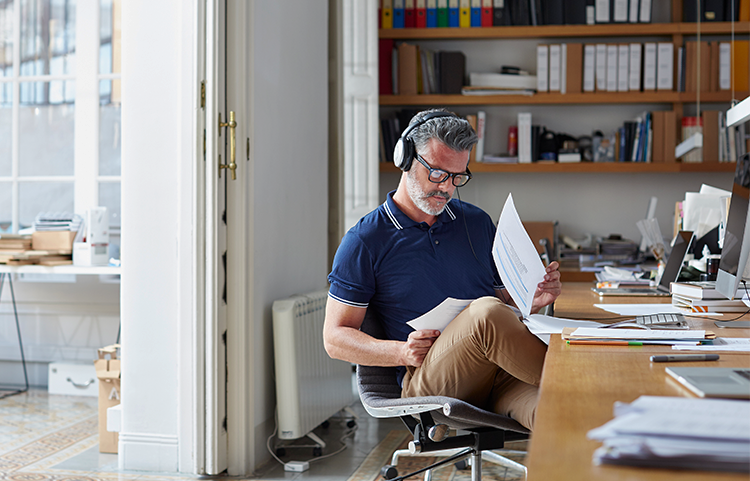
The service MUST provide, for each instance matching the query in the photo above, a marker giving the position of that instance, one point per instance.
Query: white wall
(289, 194)
(158, 97)
(600, 204)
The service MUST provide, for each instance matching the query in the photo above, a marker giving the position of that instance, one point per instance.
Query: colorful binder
(486, 13)
(410, 16)
(442, 13)
(432, 21)
(476, 13)
(464, 12)
(398, 13)
(386, 14)
(421, 13)
(453, 13)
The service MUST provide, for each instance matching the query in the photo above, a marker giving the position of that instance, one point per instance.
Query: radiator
(310, 386)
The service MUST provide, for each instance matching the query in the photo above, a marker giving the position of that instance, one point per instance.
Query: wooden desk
(581, 383)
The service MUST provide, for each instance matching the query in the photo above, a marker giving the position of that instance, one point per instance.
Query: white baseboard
(148, 452)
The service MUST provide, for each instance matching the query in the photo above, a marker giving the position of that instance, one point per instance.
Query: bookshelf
(671, 32)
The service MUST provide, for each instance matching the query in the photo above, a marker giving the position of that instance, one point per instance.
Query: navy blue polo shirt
(402, 269)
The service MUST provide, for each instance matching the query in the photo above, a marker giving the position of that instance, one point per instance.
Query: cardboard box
(59, 241)
(108, 372)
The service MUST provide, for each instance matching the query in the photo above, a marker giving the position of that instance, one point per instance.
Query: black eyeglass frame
(445, 175)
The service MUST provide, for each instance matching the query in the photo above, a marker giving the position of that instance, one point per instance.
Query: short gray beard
(419, 196)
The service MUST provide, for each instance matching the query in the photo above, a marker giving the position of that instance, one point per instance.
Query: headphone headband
(404, 151)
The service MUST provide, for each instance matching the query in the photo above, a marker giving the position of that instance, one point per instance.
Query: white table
(6, 272)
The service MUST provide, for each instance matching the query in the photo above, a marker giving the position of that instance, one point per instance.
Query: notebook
(671, 272)
(724, 382)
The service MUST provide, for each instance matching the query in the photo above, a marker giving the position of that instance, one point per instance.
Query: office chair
(381, 396)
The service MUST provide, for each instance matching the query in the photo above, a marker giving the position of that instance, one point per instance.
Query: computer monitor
(736, 249)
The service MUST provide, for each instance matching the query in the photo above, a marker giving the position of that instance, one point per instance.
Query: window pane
(46, 129)
(47, 33)
(6, 119)
(36, 197)
(109, 127)
(6, 190)
(6, 38)
(109, 197)
(109, 37)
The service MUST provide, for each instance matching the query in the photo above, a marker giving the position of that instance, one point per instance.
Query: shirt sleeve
(352, 277)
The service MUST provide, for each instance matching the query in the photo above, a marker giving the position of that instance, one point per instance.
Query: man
(418, 248)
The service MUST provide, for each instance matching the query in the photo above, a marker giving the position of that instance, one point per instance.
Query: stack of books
(11, 245)
(694, 297)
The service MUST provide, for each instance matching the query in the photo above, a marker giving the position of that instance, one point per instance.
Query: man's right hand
(417, 345)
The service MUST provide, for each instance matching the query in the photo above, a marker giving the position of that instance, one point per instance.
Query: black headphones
(404, 151)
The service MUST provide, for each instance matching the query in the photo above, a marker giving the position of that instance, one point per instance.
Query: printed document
(516, 258)
(440, 316)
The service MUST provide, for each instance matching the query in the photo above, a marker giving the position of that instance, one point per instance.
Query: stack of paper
(543, 326)
(673, 432)
(584, 335)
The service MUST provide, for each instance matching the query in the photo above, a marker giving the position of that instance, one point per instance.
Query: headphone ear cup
(403, 153)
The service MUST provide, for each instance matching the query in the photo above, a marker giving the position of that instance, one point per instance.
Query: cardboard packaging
(108, 372)
(60, 241)
(85, 254)
(95, 251)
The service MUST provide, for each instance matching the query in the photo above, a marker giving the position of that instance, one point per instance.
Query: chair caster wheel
(389, 471)
(463, 464)
(317, 452)
(351, 424)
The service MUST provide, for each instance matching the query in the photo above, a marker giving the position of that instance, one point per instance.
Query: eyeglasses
(438, 176)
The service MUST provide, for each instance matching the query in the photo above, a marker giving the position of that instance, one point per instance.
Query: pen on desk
(604, 343)
(685, 357)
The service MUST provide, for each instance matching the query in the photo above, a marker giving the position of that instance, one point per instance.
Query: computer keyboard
(668, 320)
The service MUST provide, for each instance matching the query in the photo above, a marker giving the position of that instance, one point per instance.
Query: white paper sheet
(543, 326)
(516, 258)
(441, 315)
(637, 309)
(635, 334)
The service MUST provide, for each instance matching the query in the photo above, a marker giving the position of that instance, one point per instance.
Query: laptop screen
(676, 258)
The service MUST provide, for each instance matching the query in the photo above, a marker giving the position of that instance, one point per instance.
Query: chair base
(476, 466)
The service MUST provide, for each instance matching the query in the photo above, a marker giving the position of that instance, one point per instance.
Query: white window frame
(85, 176)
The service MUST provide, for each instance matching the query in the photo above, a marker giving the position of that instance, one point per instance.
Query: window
(59, 109)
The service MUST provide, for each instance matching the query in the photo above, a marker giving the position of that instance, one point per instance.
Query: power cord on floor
(346, 434)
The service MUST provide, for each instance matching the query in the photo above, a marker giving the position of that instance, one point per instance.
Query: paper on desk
(516, 258)
(689, 433)
(637, 309)
(543, 326)
(735, 344)
(635, 334)
(701, 212)
(441, 315)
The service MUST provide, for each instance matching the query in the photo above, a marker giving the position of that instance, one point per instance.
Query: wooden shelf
(654, 97)
(592, 168)
(558, 31)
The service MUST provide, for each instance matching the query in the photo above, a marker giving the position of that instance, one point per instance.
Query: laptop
(671, 272)
(723, 382)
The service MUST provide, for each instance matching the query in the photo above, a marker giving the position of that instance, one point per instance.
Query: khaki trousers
(485, 357)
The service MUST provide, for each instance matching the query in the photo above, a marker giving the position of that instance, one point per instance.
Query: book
(602, 11)
(699, 290)
(407, 69)
(487, 13)
(464, 13)
(634, 11)
(710, 135)
(503, 81)
(524, 138)
(442, 13)
(452, 71)
(479, 148)
(665, 64)
(500, 15)
(740, 65)
(386, 14)
(634, 81)
(398, 13)
(574, 68)
(589, 68)
(542, 68)
(476, 13)
(692, 305)
(421, 14)
(601, 67)
(623, 67)
(554, 68)
(385, 65)
(612, 68)
(472, 119)
(432, 21)
(649, 66)
(453, 13)
(410, 15)
(725, 66)
(620, 11)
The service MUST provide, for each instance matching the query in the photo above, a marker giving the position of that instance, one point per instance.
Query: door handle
(232, 165)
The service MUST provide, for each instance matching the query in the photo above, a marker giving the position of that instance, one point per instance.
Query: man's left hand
(548, 290)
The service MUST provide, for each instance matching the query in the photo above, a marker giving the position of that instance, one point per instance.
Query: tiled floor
(49, 437)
